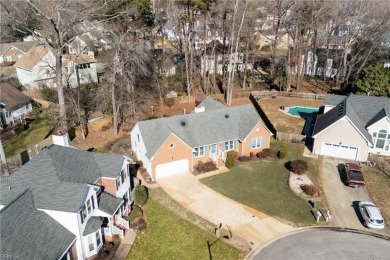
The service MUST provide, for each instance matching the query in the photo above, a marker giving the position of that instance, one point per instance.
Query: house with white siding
(89, 194)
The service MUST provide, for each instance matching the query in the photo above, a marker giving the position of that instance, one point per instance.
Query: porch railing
(222, 155)
(107, 231)
(123, 222)
(117, 231)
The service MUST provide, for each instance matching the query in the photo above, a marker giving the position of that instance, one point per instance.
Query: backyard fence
(276, 94)
(25, 156)
(290, 137)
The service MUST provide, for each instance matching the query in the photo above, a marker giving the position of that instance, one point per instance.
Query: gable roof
(30, 233)
(78, 59)
(210, 104)
(109, 204)
(60, 173)
(23, 46)
(12, 98)
(32, 57)
(198, 129)
(362, 111)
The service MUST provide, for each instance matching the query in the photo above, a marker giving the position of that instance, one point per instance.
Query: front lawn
(378, 186)
(169, 236)
(263, 185)
(38, 129)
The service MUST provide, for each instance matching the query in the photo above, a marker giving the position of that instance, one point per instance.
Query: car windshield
(374, 213)
(356, 172)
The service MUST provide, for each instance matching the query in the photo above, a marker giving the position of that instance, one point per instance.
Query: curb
(257, 250)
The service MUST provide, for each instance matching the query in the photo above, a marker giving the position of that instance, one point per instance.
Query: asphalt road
(343, 200)
(326, 244)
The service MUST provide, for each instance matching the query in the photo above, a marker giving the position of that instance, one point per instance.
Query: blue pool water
(304, 112)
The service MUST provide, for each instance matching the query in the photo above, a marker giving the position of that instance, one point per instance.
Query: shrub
(206, 167)
(282, 153)
(48, 94)
(310, 190)
(135, 213)
(230, 162)
(298, 166)
(266, 48)
(245, 158)
(252, 154)
(141, 195)
(233, 154)
(170, 101)
(266, 153)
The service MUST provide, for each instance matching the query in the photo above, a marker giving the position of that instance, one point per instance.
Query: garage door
(340, 151)
(171, 168)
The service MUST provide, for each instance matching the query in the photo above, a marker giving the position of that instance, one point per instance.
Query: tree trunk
(114, 109)
(60, 90)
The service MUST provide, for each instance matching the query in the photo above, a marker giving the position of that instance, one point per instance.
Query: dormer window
(87, 209)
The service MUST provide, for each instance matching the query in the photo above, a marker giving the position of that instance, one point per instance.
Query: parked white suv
(372, 215)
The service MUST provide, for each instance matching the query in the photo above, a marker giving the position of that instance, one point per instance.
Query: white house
(89, 194)
(353, 127)
(37, 67)
(223, 62)
(14, 105)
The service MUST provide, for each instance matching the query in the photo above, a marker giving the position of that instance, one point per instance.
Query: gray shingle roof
(211, 104)
(198, 129)
(60, 173)
(63, 196)
(109, 204)
(12, 98)
(27, 233)
(92, 225)
(361, 110)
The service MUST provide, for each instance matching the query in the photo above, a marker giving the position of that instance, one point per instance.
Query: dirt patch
(177, 109)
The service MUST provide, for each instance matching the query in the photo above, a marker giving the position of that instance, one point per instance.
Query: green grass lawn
(38, 129)
(169, 236)
(264, 186)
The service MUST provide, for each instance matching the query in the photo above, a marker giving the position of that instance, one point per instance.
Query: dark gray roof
(381, 114)
(362, 111)
(12, 98)
(366, 107)
(28, 233)
(109, 204)
(198, 129)
(55, 172)
(93, 224)
(211, 104)
(63, 196)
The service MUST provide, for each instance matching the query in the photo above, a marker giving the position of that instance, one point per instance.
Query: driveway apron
(253, 226)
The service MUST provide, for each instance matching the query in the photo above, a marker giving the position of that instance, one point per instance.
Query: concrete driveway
(254, 227)
(343, 200)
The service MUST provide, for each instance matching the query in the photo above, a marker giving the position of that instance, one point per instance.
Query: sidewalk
(125, 246)
(251, 225)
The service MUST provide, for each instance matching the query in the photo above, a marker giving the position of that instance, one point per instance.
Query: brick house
(176, 144)
(88, 194)
(14, 51)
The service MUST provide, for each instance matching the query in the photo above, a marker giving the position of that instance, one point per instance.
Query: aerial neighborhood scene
(195, 129)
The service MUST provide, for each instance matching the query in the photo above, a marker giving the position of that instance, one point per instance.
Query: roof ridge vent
(183, 123)
(226, 116)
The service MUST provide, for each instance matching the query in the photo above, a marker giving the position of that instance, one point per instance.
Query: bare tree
(55, 22)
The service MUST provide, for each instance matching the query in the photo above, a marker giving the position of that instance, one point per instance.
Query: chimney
(200, 109)
(61, 138)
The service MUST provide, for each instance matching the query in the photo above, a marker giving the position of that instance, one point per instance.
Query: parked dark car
(354, 175)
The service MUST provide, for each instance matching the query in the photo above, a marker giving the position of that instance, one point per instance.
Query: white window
(91, 243)
(98, 238)
(87, 209)
(257, 143)
(229, 145)
(8, 58)
(199, 151)
(382, 140)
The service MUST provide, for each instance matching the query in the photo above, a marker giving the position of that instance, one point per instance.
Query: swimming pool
(304, 112)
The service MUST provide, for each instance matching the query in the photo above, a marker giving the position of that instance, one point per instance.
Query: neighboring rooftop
(61, 173)
(23, 46)
(28, 233)
(12, 98)
(32, 57)
(361, 110)
(78, 59)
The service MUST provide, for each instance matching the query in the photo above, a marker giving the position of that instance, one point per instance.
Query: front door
(214, 148)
